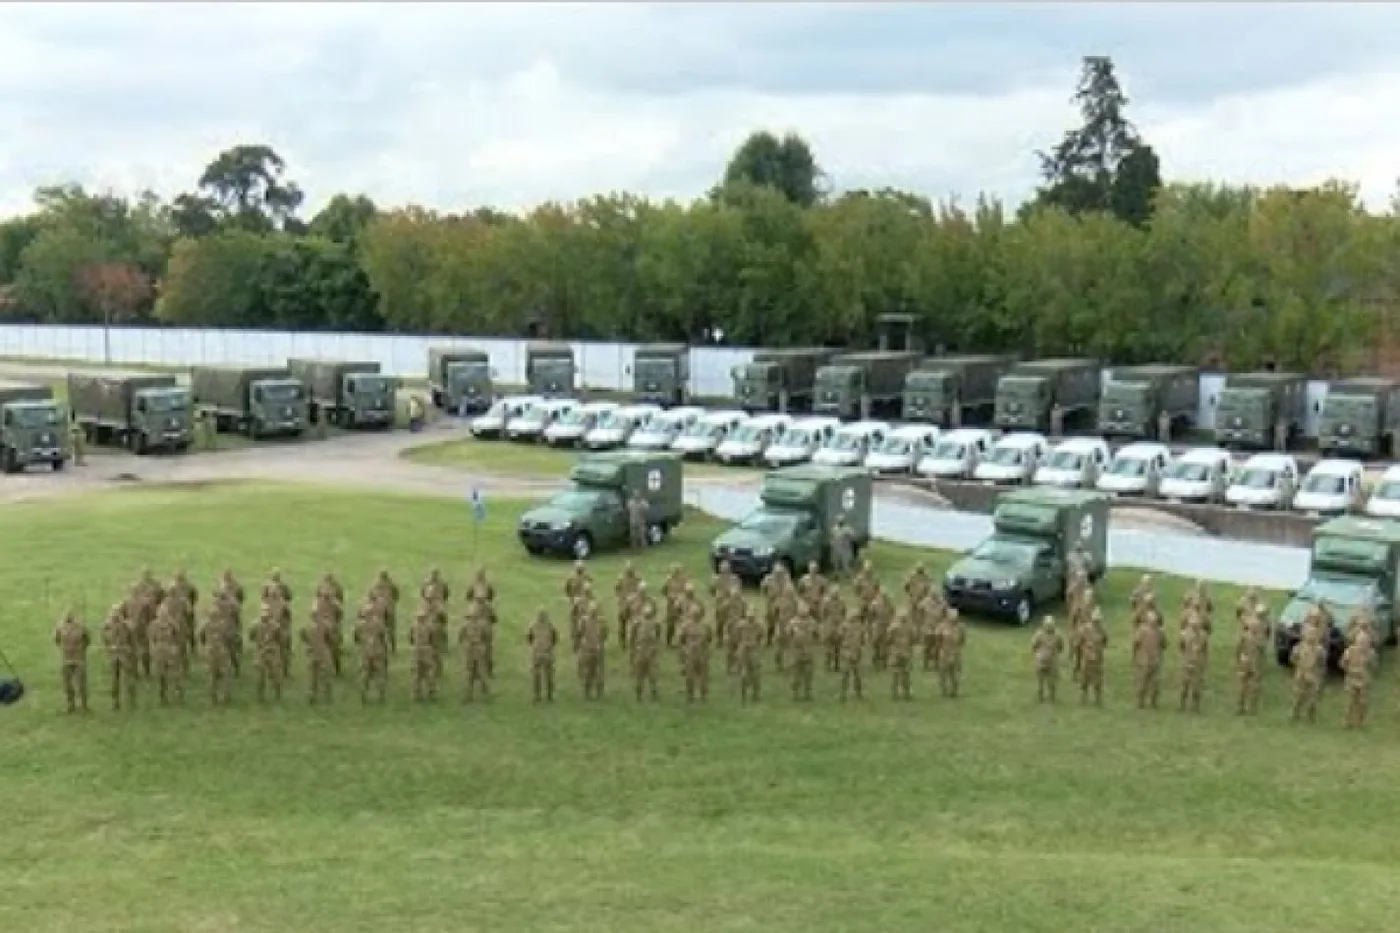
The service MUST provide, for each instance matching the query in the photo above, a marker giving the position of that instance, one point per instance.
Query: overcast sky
(459, 106)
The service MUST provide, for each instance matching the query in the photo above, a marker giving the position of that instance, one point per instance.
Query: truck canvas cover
(23, 392)
(1356, 545)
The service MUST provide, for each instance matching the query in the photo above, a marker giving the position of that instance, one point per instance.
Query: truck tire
(656, 533)
(437, 399)
(582, 547)
(58, 464)
(252, 429)
(141, 445)
(1024, 610)
(8, 461)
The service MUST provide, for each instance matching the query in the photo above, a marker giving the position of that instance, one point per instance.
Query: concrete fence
(601, 365)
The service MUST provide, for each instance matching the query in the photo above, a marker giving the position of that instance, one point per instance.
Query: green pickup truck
(1025, 562)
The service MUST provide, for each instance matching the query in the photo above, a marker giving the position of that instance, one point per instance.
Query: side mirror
(1317, 408)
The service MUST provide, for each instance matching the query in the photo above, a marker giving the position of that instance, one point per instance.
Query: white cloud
(457, 106)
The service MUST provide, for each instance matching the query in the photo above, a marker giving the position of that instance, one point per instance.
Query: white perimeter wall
(602, 365)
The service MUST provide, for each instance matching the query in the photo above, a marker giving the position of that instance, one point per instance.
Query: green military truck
(32, 427)
(592, 514)
(859, 385)
(778, 380)
(1031, 392)
(661, 374)
(951, 391)
(1150, 401)
(143, 412)
(260, 401)
(460, 380)
(1261, 410)
(1360, 417)
(1355, 565)
(1026, 561)
(349, 394)
(549, 369)
(798, 506)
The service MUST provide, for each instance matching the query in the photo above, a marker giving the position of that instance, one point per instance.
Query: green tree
(47, 285)
(215, 281)
(786, 165)
(1103, 164)
(245, 188)
(15, 234)
(343, 218)
(399, 252)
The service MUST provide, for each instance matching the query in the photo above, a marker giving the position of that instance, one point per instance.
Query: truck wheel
(1282, 656)
(655, 534)
(582, 546)
(141, 446)
(9, 462)
(252, 430)
(437, 399)
(59, 464)
(1025, 608)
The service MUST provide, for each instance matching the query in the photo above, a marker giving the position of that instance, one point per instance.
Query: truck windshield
(847, 441)
(1128, 466)
(1006, 551)
(1124, 393)
(1065, 460)
(1007, 456)
(167, 401)
(1023, 386)
(1387, 490)
(757, 372)
(584, 500)
(895, 445)
(948, 450)
(496, 411)
(1258, 478)
(1190, 472)
(370, 385)
(281, 391)
(1242, 402)
(654, 369)
(768, 523)
(798, 437)
(575, 418)
(36, 417)
(1327, 484)
(531, 414)
(701, 429)
(749, 433)
(466, 371)
(1341, 589)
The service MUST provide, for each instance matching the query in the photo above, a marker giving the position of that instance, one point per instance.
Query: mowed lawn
(984, 813)
(537, 460)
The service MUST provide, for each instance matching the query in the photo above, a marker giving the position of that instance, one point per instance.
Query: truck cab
(1266, 481)
(1025, 562)
(33, 428)
(615, 428)
(550, 371)
(1331, 487)
(570, 428)
(1013, 459)
(661, 373)
(1352, 568)
(1136, 470)
(798, 507)
(1384, 500)
(902, 449)
(164, 418)
(467, 386)
(851, 443)
(748, 442)
(276, 406)
(370, 399)
(662, 428)
(531, 423)
(1201, 474)
(707, 433)
(800, 441)
(1075, 463)
(957, 453)
(501, 413)
(591, 515)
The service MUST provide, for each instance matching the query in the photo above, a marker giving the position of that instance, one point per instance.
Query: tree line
(1106, 259)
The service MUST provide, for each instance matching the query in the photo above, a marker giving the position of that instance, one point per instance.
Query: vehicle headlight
(1004, 584)
(763, 552)
(563, 526)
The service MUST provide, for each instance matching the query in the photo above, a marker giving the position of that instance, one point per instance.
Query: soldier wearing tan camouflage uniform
(1093, 645)
(217, 637)
(695, 640)
(1195, 652)
(830, 616)
(748, 636)
(864, 583)
(641, 606)
(624, 590)
(1249, 659)
(730, 608)
(166, 641)
(644, 643)
(592, 642)
(371, 637)
(276, 587)
(228, 585)
(900, 639)
(578, 582)
(329, 609)
(386, 592)
(425, 638)
(637, 512)
(435, 588)
(266, 636)
(280, 612)
(672, 596)
(879, 614)
(72, 640)
(951, 636)
(481, 588)
(316, 636)
(118, 643)
(140, 612)
(917, 585)
(811, 588)
(329, 588)
(1356, 664)
(542, 637)
(854, 636)
(1149, 645)
(724, 581)
(578, 605)
(1308, 658)
(1142, 592)
(800, 640)
(775, 585)
(928, 614)
(183, 613)
(473, 640)
(1197, 601)
(1046, 648)
(183, 590)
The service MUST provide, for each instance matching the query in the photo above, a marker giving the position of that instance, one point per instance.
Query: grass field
(511, 459)
(985, 813)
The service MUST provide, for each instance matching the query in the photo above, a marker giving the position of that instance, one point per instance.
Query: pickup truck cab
(1074, 464)
(851, 443)
(1136, 470)
(1013, 459)
(1199, 475)
(902, 449)
(957, 453)
(1266, 481)
(1332, 487)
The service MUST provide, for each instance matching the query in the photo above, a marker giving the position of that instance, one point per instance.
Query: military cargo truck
(141, 411)
(778, 380)
(1151, 401)
(951, 391)
(1026, 561)
(549, 369)
(798, 507)
(592, 514)
(460, 380)
(1262, 410)
(32, 427)
(1360, 417)
(1353, 567)
(260, 401)
(1029, 395)
(661, 374)
(347, 393)
(862, 385)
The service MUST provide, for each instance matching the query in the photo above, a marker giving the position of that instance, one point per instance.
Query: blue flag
(478, 505)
